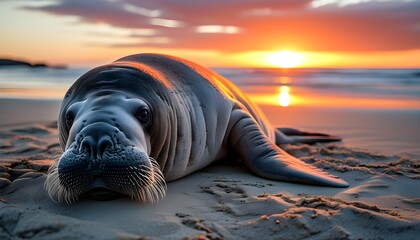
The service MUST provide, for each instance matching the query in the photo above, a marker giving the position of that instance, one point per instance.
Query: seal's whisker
(140, 178)
(144, 183)
(56, 190)
(150, 185)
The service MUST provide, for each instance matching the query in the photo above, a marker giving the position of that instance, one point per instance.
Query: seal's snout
(96, 146)
(102, 163)
(96, 139)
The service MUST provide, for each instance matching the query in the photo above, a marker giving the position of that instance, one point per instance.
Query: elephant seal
(129, 126)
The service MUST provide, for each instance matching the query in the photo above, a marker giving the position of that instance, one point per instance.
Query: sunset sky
(216, 33)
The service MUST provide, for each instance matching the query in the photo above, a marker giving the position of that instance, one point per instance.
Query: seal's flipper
(267, 160)
(291, 135)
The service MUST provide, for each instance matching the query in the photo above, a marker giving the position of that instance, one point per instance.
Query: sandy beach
(334, 69)
(223, 201)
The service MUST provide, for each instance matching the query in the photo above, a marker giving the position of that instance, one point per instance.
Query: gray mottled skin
(198, 117)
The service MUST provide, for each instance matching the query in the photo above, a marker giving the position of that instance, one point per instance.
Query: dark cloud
(264, 25)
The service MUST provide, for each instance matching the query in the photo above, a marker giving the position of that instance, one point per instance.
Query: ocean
(378, 109)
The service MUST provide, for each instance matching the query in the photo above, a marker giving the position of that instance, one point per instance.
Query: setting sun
(285, 59)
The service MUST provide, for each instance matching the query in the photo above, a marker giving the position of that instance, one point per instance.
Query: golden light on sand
(284, 96)
(285, 59)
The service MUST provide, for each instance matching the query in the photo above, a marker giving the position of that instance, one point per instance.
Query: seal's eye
(69, 118)
(143, 114)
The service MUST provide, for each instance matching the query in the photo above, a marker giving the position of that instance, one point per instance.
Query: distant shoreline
(5, 62)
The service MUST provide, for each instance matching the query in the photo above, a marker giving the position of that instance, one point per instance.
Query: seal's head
(105, 126)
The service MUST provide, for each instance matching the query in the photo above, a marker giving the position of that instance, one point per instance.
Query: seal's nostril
(88, 146)
(104, 143)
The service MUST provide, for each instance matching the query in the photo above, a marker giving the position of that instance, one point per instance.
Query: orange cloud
(254, 25)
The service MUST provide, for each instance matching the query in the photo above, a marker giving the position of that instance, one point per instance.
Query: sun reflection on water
(284, 96)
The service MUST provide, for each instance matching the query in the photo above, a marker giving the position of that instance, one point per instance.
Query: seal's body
(127, 126)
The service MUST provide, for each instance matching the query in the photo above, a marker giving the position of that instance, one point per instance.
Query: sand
(219, 202)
